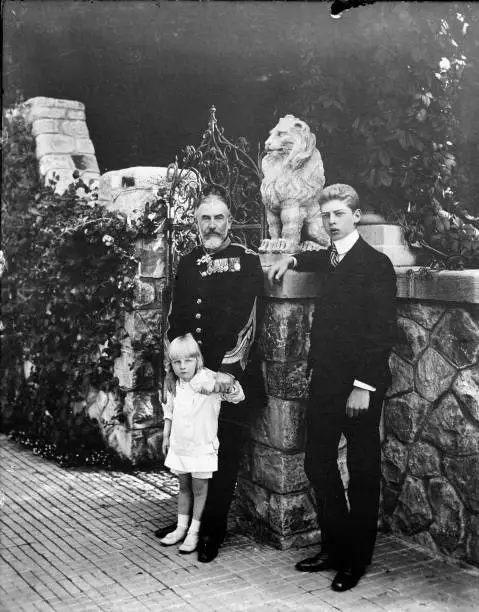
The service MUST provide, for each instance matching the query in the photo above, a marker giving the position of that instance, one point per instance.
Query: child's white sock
(191, 541)
(183, 520)
(179, 533)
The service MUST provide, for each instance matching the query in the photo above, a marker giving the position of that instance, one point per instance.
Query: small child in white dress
(190, 440)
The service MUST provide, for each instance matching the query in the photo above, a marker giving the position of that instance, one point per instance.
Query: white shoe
(190, 543)
(174, 536)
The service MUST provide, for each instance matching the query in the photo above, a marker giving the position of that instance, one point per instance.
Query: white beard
(212, 243)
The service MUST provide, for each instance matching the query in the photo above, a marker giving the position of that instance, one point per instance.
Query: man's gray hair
(212, 192)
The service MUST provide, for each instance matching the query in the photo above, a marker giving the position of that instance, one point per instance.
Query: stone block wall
(388, 239)
(131, 422)
(431, 416)
(62, 139)
(431, 426)
(140, 435)
(275, 500)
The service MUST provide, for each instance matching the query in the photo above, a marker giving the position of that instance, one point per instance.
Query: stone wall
(431, 422)
(131, 422)
(431, 418)
(62, 139)
(275, 501)
(139, 435)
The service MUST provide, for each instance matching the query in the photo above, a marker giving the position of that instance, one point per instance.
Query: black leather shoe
(207, 549)
(347, 579)
(318, 563)
(163, 531)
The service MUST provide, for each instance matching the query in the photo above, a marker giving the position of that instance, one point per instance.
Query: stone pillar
(62, 140)
(139, 436)
(274, 499)
(388, 238)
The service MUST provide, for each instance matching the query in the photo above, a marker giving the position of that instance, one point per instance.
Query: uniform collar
(343, 245)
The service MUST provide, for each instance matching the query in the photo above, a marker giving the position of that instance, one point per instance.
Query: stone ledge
(295, 285)
(55, 102)
(443, 285)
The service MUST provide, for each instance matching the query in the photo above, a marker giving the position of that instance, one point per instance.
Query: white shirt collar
(343, 245)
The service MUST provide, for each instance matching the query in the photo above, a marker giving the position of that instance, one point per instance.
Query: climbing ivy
(68, 280)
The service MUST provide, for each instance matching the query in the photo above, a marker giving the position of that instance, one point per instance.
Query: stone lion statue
(293, 180)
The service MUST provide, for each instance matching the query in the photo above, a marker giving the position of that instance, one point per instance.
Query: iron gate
(217, 162)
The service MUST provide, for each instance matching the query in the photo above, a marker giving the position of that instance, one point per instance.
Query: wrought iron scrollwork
(216, 162)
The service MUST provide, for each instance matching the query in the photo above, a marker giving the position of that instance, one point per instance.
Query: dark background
(149, 71)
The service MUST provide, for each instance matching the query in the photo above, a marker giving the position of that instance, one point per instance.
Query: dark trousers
(222, 486)
(232, 427)
(348, 533)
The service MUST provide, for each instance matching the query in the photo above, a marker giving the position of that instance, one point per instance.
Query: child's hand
(165, 445)
(224, 382)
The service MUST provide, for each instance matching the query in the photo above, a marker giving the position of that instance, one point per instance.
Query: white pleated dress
(194, 423)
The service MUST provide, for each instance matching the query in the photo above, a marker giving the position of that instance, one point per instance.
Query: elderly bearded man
(214, 298)
(352, 334)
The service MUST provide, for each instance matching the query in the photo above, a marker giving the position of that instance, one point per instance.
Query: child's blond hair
(185, 346)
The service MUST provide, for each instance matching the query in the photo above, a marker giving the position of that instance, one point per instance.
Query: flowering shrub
(69, 277)
(391, 110)
(451, 239)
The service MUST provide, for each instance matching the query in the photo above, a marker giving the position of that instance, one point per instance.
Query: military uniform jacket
(354, 322)
(214, 298)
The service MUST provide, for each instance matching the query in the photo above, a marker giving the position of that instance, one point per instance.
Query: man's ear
(357, 215)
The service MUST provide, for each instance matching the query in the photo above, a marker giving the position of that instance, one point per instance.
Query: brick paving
(81, 540)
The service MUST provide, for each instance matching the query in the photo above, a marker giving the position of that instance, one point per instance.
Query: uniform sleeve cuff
(361, 385)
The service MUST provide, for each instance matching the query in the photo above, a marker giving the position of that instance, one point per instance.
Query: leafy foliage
(69, 279)
(387, 110)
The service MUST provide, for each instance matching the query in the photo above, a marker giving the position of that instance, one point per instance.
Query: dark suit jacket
(354, 323)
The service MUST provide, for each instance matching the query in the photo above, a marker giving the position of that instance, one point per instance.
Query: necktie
(334, 256)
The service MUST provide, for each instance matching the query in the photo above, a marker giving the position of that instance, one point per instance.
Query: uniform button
(198, 330)
(200, 342)
(198, 315)
(199, 300)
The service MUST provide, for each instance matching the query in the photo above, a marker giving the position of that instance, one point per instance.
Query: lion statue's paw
(309, 245)
(278, 245)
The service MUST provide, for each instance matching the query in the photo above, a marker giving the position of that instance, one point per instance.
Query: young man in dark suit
(352, 334)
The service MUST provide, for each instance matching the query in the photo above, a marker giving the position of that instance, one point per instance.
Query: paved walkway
(78, 540)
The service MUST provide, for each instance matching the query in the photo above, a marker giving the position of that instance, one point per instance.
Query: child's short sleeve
(204, 381)
(168, 406)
